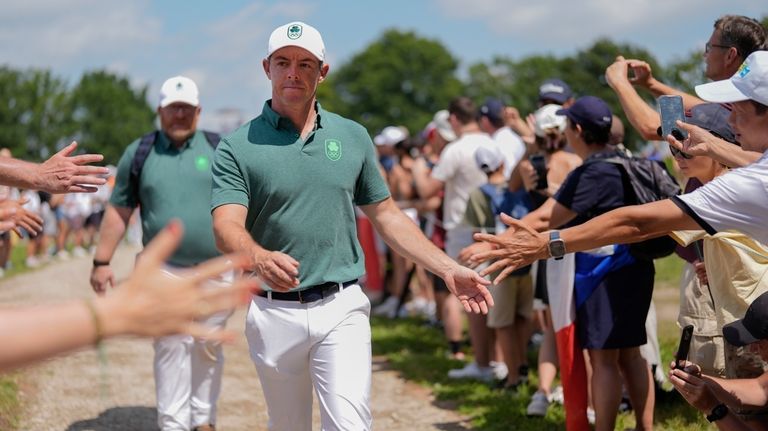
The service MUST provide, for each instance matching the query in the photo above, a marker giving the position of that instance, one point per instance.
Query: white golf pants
(324, 344)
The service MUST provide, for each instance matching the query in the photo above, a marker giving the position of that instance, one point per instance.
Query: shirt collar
(276, 121)
(165, 143)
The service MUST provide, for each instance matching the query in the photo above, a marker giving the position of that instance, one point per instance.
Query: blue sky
(220, 44)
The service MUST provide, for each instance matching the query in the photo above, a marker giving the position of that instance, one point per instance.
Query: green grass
(418, 352)
(9, 402)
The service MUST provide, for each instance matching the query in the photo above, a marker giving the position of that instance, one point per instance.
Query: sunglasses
(677, 153)
(708, 46)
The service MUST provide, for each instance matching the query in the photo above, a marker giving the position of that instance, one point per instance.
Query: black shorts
(94, 219)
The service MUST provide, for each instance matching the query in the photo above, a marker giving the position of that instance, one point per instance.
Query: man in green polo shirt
(285, 189)
(174, 182)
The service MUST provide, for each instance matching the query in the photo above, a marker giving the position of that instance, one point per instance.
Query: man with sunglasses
(734, 37)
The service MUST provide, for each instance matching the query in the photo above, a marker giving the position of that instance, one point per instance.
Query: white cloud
(47, 32)
(552, 21)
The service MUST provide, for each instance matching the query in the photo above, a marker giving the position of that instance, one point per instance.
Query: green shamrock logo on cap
(332, 149)
(294, 32)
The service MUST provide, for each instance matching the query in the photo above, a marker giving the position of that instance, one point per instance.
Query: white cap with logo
(297, 34)
(179, 89)
(750, 82)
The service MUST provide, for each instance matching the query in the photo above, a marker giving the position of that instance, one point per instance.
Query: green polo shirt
(301, 194)
(174, 183)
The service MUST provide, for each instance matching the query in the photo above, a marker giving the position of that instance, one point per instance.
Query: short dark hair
(464, 109)
(745, 34)
(593, 135)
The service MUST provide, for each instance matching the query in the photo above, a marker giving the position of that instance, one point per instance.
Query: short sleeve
(370, 186)
(229, 185)
(124, 193)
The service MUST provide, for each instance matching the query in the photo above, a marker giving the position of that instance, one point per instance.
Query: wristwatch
(556, 245)
(718, 413)
(97, 262)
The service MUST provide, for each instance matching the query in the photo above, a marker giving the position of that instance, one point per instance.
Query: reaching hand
(467, 252)
(21, 218)
(518, 246)
(470, 288)
(153, 303)
(277, 269)
(63, 173)
(701, 272)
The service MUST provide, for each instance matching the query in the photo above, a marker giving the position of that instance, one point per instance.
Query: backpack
(142, 152)
(649, 181)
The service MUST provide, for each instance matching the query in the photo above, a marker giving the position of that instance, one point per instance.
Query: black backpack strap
(213, 138)
(137, 164)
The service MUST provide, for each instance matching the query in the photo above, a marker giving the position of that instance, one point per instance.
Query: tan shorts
(512, 298)
(708, 353)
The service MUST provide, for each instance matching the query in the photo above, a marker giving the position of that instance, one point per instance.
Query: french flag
(573, 372)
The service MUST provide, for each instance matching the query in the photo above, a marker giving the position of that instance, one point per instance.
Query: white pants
(188, 377)
(324, 344)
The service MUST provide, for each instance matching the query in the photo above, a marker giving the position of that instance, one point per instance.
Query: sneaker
(62, 255)
(472, 371)
(591, 415)
(388, 308)
(500, 370)
(79, 252)
(539, 404)
(32, 262)
(522, 374)
(557, 395)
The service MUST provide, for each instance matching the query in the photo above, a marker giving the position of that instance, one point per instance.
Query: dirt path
(77, 393)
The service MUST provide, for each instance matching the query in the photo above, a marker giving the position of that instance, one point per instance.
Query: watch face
(557, 248)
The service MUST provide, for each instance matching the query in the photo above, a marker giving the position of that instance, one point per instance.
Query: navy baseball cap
(554, 90)
(589, 112)
(712, 117)
(753, 327)
(493, 109)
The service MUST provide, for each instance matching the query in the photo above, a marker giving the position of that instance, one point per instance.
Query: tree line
(401, 78)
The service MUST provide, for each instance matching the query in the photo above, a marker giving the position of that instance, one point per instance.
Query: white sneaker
(32, 262)
(539, 404)
(62, 255)
(591, 415)
(557, 395)
(388, 308)
(472, 371)
(79, 252)
(500, 370)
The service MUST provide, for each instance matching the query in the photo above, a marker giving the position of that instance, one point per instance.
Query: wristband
(97, 262)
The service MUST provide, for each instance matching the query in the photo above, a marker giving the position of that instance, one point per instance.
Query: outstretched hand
(470, 288)
(14, 212)
(518, 246)
(153, 303)
(64, 173)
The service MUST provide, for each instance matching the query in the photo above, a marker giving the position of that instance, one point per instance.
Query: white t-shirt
(737, 200)
(512, 146)
(458, 170)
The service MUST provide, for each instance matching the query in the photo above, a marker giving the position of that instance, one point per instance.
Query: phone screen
(685, 344)
(671, 110)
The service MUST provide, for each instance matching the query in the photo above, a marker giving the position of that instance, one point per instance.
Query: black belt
(310, 294)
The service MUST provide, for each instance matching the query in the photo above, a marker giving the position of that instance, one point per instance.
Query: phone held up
(540, 166)
(685, 344)
(671, 110)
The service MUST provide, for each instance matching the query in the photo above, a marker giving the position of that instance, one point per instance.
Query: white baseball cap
(297, 34)
(547, 118)
(443, 125)
(488, 159)
(750, 82)
(390, 136)
(179, 89)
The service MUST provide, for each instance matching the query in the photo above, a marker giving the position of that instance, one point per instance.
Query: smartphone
(540, 165)
(682, 348)
(671, 110)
